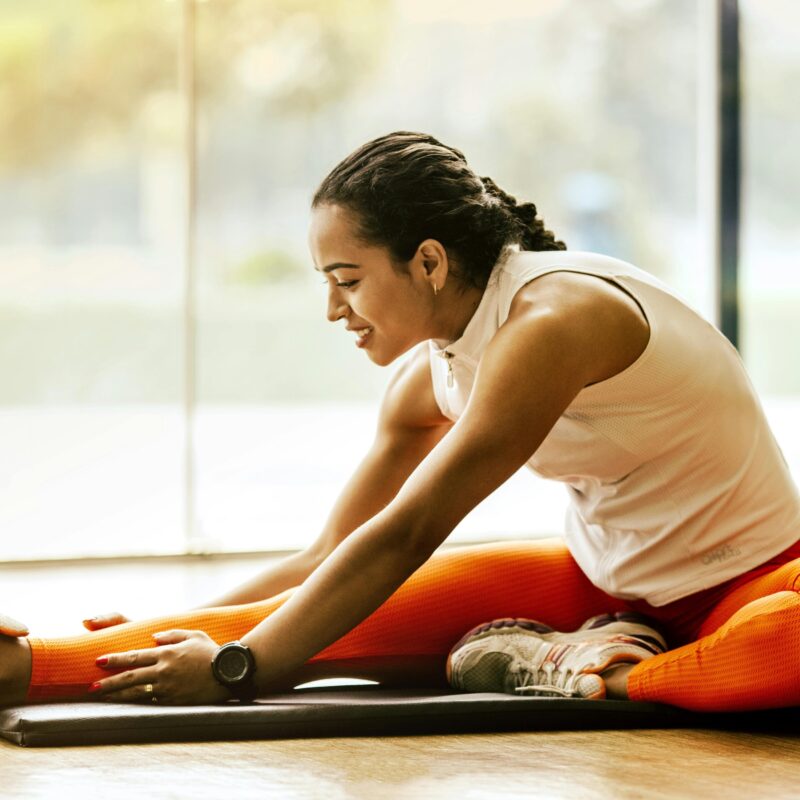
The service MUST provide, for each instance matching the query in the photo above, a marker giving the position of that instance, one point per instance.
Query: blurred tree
(272, 265)
(71, 68)
(296, 56)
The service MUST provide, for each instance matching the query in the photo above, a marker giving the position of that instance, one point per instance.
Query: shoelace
(566, 679)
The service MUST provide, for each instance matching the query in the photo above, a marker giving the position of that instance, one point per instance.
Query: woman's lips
(363, 335)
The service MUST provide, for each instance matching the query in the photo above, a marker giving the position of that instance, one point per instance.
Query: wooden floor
(595, 764)
(617, 764)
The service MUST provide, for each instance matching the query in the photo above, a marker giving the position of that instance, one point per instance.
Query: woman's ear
(433, 261)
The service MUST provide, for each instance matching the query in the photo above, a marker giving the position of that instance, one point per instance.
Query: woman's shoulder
(522, 264)
(608, 320)
(409, 399)
(517, 268)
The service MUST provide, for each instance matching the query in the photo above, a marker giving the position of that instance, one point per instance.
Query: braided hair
(406, 187)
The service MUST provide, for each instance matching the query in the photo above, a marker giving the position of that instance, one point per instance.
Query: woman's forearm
(286, 573)
(352, 582)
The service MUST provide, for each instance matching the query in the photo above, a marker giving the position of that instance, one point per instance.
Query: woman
(682, 512)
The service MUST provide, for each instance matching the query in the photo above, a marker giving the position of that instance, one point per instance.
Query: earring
(435, 290)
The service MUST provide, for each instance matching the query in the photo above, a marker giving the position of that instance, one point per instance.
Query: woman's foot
(15, 670)
(526, 656)
(616, 681)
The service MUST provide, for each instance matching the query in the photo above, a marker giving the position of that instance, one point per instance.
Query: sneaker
(526, 656)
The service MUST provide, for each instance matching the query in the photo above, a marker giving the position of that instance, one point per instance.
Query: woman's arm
(538, 361)
(530, 372)
(290, 571)
(409, 425)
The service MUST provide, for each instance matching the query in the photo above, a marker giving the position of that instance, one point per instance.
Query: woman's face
(396, 309)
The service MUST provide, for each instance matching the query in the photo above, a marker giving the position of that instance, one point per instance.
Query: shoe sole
(502, 625)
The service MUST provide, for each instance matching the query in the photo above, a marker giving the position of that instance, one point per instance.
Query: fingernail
(94, 687)
(102, 661)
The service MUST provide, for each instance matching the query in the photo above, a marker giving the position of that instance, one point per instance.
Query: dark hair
(407, 187)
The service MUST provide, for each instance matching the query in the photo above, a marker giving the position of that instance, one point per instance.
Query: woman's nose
(336, 308)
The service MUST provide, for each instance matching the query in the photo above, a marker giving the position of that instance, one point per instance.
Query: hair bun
(405, 187)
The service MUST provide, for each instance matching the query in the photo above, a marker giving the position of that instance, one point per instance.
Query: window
(589, 110)
(91, 287)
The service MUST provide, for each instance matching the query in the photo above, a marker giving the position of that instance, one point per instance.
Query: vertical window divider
(719, 156)
(707, 159)
(730, 167)
(188, 92)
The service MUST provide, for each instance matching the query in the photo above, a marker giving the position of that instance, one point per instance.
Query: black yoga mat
(353, 711)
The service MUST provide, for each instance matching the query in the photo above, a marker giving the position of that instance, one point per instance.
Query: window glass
(586, 109)
(770, 240)
(90, 279)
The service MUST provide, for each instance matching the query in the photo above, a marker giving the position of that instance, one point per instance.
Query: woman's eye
(342, 285)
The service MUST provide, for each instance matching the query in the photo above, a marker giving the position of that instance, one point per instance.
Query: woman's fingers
(128, 660)
(175, 636)
(105, 621)
(127, 687)
(136, 666)
(138, 694)
(178, 669)
(12, 627)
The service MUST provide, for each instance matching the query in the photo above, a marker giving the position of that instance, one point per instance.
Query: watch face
(232, 665)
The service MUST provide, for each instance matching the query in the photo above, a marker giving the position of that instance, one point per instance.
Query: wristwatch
(234, 666)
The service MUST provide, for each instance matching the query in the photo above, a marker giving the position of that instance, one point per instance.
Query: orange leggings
(736, 645)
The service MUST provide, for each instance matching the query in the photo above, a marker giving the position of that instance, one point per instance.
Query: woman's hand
(179, 669)
(104, 621)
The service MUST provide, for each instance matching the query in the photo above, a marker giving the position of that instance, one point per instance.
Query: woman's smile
(363, 335)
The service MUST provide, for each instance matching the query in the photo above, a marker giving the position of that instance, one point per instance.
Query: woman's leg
(406, 639)
(747, 655)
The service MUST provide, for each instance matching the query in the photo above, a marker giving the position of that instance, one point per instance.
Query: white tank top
(676, 482)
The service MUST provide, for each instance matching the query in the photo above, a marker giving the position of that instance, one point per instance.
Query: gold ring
(149, 689)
